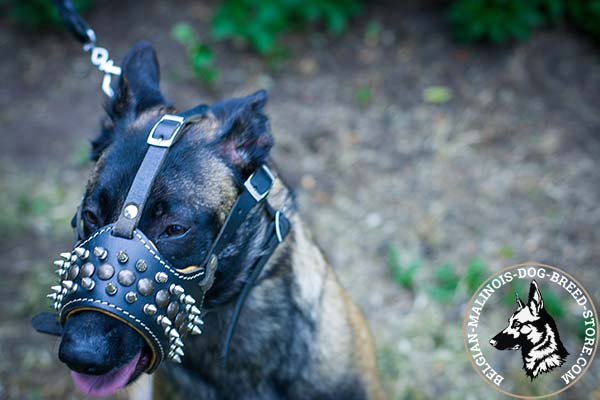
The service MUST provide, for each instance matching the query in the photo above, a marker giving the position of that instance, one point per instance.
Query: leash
(99, 56)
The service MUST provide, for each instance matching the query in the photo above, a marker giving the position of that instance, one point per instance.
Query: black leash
(85, 35)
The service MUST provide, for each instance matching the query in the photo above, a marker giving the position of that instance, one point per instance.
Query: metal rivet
(111, 289)
(131, 211)
(212, 263)
(162, 298)
(100, 252)
(106, 271)
(179, 319)
(122, 257)
(130, 297)
(73, 272)
(141, 265)
(88, 283)
(145, 286)
(176, 290)
(87, 270)
(82, 253)
(172, 309)
(161, 277)
(150, 309)
(126, 277)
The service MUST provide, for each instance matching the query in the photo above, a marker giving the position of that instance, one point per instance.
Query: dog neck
(544, 354)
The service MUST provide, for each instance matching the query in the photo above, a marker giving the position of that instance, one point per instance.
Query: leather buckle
(165, 131)
(259, 183)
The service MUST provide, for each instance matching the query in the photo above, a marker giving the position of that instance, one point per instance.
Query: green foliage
(364, 96)
(475, 275)
(202, 58)
(502, 20)
(495, 20)
(445, 283)
(585, 14)
(37, 13)
(437, 94)
(403, 275)
(260, 23)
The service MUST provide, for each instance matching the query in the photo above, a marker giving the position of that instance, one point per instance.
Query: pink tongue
(107, 384)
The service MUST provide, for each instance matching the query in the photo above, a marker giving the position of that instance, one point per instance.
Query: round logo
(530, 330)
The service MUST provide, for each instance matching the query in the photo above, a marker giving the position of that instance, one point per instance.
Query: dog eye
(173, 230)
(516, 325)
(90, 218)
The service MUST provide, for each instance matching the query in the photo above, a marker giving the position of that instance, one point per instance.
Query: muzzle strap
(162, 136)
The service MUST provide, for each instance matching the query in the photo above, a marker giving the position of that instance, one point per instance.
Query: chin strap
(278, 231)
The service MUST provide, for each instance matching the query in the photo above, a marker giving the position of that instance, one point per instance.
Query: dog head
(525, 325)
(189, 201)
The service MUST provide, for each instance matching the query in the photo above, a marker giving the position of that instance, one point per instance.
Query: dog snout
(84, 356)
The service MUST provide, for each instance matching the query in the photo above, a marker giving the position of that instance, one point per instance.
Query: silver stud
(67, 284)
(176, 358)
(130, 297)
(173, 333)
(172, 309)
(187, 299)
(57, 306)
(82, 253)
(88, 283)
(141, 265)
(176, 290)
(62, 273)
(100, 252)
(122, 257)
(86, 270)
(56, 288)
(131, 211)
(212, 263)
(162, 298)
(161, 277)
(126, 277)
(145, 286)
(178, 351)
(62, 264)
(111, 289)
(195, 330)
(179, 319)
(73, 272)
(196, 320)
(164, 321)
(150, 309)
(192, 309)
(66, 256)
(52, 296)
(178, 342)
(106, 271)
(73, 258)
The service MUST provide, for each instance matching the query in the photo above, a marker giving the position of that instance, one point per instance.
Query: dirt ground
(505, 171)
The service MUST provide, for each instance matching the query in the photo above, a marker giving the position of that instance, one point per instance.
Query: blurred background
(431, 143)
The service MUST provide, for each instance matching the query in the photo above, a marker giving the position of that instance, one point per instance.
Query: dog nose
(493, 342)
(80, 356)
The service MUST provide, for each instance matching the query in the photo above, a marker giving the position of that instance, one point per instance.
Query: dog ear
(243, 137)
(139, 82)
(535, 303)
(520, 304)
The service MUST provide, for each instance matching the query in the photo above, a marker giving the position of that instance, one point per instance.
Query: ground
(505, 171)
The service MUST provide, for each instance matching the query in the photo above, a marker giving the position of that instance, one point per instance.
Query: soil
(505, 171)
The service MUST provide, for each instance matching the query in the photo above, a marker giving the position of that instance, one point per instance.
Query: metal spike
(187, 299)
(176, 290)
(100, 252)
(173, 333)
(150, 309)
(178, 351)
(73, 258)
(60, 263)
(56, 288)
(57, 306)
(88, 283)
(67, 284)
(176, 358)
(52, 296)
(196, 330)
(178, 342)
(164, 321)
(66, 256)
(197, 320)
(192, 309)
(82, 253)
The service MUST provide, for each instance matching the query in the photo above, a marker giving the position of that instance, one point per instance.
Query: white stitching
(162, 352)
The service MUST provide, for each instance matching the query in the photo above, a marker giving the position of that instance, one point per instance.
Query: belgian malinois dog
(299, 335)
(532, 330)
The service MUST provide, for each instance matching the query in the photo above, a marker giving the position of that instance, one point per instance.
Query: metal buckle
(252, 188)
(160, 142)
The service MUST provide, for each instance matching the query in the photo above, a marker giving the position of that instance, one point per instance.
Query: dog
(299, 335)
(531, 329)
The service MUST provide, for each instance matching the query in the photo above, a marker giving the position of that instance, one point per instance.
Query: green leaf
(437, 94)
